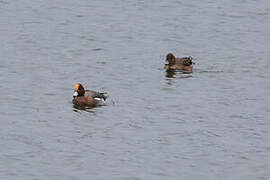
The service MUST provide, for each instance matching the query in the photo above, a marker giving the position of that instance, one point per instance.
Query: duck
(183, 63)
(89, 98)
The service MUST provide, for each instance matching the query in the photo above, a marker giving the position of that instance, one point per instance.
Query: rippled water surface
(211, 124)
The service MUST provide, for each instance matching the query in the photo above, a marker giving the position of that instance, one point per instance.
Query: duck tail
(102, 96)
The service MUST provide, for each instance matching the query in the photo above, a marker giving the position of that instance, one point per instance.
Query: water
(211, 124)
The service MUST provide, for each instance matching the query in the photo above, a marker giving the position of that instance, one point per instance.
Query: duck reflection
(171, 73)
(78, 108)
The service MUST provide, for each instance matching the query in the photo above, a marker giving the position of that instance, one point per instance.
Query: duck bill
(75, 94)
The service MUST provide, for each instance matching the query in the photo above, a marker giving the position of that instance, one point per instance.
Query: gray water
(211, 124)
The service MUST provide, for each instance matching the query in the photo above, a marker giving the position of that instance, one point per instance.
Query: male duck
(89, 98)
(183, 63)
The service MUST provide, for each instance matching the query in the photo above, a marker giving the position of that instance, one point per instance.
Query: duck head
(78, 90)
(170, 58)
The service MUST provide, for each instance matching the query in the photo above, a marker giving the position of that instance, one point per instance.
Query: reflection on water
(84, 108)
(171, 73)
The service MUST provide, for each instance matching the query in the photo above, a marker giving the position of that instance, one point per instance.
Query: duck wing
(186, 61)
(95, 94)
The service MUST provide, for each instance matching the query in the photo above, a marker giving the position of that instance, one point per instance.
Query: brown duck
(89, 98)
(183, 63)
